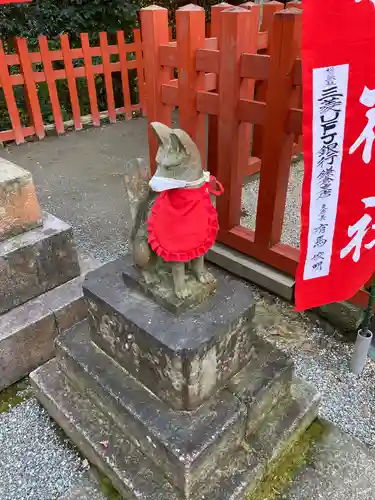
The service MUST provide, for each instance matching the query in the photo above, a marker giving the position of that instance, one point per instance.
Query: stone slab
(36, 261)
(19, 207)
(132, 473)
(252, 270)
(182, 359)
(263, 384)
(344, 315)
(185, 446)
(162, 291)
(340, 467)
(28, 332)
(263, 450)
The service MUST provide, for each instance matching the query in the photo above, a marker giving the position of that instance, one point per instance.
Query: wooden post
(190, 33)
(10, 100)
(89, 70)
(233, 137)
(71, 79)
(45, 55)
(269, 9)
(31, 93)
(155, 32)
(212, 152)
(277, 142)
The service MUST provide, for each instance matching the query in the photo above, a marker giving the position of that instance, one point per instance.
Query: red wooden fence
(241, 78)
(29, 77)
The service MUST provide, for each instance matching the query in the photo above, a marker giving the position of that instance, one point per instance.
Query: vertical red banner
(338, 195)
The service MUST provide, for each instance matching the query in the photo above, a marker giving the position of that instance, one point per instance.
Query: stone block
(36, 261)
(185, 446)
(19, 207)
(28, 332)
(250, 269)
(27, 335)
(130, 471)
(264, 383)
(134, 475)
(182, 359)
(344, 315)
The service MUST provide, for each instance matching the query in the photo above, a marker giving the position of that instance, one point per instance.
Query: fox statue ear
(162, 132)
(177, 143)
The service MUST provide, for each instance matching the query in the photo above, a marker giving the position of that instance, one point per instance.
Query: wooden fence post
(10, 100)
(90, 78)
(277, 142)
(155, 32)
(190, 33)
(45, 54)
(233, 136)
(269, 9)
(31, 94)
(212, 152)
(71, 79)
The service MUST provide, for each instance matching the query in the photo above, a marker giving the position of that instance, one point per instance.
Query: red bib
(183, 223)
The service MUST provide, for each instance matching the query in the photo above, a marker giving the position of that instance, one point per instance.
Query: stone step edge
(243, 476)
(28, 332)
(98, 439)
(252, 464)
(162, 450)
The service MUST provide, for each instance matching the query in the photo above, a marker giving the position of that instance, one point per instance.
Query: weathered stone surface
(263, 383)
(36, 261)
(28, 332)
(162, 290)
(19, 207)
(184, 359)
(344, 315)
(187, 446)
(134, 475)
(242, 265)
(131, 473)
(243, 473)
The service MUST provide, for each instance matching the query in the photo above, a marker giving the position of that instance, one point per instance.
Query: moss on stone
(15, 394)
(284, 470)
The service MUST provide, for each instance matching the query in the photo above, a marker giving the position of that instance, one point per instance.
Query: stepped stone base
(36, 261)
(27, 332)
(151, 451)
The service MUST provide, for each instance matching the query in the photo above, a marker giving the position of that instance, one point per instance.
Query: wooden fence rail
(29, 75)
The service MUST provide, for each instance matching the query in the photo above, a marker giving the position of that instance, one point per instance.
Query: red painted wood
(71, 79)
(31, 93)
(212, 152)
(124, 74)
(51, 83)
(237, 27)
(140, 70)
(89, 71)
(154, 22)
(10, 100)
(269, 10)
(277, 141)
(107, 76)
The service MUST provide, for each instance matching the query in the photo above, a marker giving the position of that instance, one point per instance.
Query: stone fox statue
(174, 219)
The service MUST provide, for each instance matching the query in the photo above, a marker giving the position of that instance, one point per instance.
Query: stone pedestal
(40, 277)
(185, 407)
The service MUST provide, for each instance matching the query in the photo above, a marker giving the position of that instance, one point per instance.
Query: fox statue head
(178, 161)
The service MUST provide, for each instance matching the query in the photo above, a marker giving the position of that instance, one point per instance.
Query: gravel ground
(322, 357)
(36, 461)
(291, 228)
